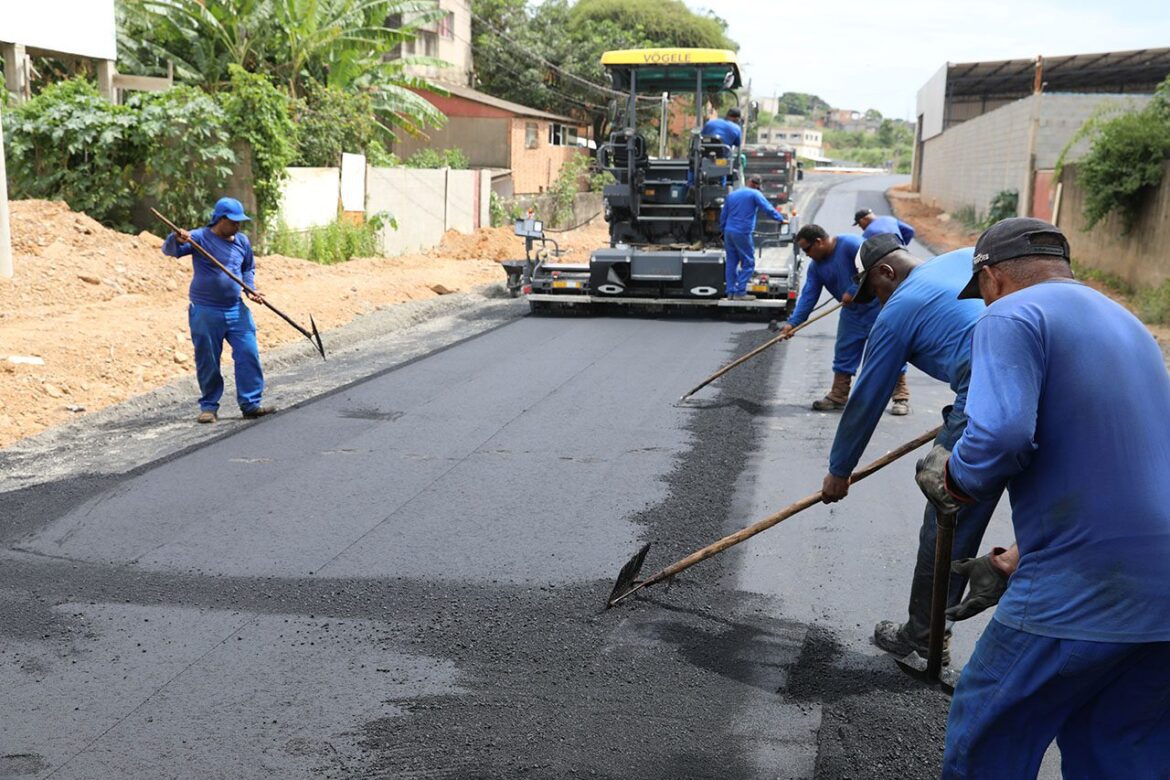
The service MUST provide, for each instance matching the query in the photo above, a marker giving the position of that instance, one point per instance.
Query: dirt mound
(495, 244)
(63, 256)
(502, 243)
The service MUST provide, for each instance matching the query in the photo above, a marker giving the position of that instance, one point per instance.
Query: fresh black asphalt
(406, 577)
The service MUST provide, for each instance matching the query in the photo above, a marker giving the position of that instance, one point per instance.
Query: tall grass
(1153, 304)
(337, 242)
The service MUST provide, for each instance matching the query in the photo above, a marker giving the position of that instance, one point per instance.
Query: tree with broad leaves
(345, 44)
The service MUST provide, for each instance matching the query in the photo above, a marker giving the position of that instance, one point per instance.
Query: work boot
(206, 416)
(900, 397)
(259, 411)
(895, 640)
(835, 399)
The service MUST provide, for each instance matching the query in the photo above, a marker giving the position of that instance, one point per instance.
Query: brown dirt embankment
(94, 317)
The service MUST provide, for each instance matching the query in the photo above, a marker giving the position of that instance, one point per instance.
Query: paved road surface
(405, 578)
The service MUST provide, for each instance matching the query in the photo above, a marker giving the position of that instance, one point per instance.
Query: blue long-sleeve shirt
(725, 130)
(209, 285)
(923, 323)
(835, 273)
(740, 208)
(1068, 408)
(881, 225)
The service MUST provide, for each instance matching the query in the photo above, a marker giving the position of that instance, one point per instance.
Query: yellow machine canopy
(672, 70)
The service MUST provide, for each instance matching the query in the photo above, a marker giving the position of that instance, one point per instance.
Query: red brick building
(499, 134)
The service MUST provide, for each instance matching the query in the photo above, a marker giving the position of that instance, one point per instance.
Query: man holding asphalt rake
(217, 312)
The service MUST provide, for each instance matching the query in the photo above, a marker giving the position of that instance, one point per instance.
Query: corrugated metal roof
(467, 93)
(1137, 71)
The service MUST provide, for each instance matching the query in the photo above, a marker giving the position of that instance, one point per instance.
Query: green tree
(330, 121)
(660, 22)
(345, 44)
(549, 56)
(70, 143)
(170, 148)
(801, 103)
(1124, 165)
(259, 114)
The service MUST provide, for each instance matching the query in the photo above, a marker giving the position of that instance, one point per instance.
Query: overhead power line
(560, 94)
(571, 76)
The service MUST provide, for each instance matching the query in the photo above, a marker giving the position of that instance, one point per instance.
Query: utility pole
(5, 235)
(1024, 206)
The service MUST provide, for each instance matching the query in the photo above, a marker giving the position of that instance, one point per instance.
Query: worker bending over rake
(833, 269)
(922, 322)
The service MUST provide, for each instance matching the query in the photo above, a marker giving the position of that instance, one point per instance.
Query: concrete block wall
(972, 162)
(969, 164)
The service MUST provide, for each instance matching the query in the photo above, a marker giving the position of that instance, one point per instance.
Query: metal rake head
(316, 337)
(628, 577)
(917, 667)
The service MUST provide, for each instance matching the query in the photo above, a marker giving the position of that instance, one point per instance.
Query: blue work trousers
(970, 524)
(740, 262)
(852, 330)
(210, 327)
(1107, 705)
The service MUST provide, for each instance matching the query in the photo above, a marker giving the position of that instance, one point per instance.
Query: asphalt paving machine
(665, 247)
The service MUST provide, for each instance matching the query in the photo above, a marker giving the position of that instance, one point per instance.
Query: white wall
(309, 197)
(83, 27)
(932, 99)
(425, 203)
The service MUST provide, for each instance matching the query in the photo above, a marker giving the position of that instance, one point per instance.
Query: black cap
(1011, 238)
(857, 215)
(734, 112)
(755, 178)
(873, 250)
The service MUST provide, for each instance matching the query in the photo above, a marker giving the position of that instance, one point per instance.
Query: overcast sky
(862, 55)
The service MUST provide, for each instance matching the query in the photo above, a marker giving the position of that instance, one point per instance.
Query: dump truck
(665, 247)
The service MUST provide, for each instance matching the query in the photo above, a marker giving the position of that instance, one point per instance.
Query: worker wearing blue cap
(217, 313)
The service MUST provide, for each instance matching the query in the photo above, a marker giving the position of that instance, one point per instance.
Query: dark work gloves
(931, 476)
(985, 585)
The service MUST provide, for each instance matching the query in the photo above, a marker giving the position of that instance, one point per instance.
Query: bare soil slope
(106, 311)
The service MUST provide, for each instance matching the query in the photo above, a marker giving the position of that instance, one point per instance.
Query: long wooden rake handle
(313, 337)
(770, 342)
(763, 525)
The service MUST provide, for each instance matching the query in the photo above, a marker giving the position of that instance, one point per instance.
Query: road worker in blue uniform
(737, 221)
(922, 322)
(726, 130)
(872, 225)
(217, 313)
(1067, 408)
(833, 269)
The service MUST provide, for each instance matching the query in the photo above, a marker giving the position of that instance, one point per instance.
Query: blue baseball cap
(230, 208)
